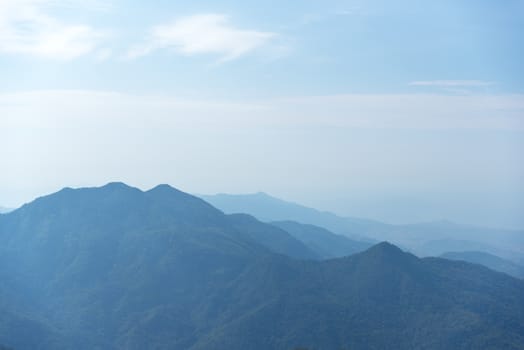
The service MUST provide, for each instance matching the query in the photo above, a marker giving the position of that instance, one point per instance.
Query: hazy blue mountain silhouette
(268, 208)
(118, 268)
(323, 242)
(492, 261)
(425, 239)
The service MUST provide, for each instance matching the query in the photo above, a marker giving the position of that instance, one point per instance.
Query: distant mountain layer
(426, 239)
(118, 268)
(488, 260)
(324, 243)
(268, 208)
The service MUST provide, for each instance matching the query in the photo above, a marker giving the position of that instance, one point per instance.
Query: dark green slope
(325, 243)
(489, 260)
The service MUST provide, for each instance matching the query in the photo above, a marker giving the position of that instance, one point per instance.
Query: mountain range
(488, 260)
(324, 243)
(115, 267)
(423, 239)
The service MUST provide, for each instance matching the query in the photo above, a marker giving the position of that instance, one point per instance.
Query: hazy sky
(396, 110)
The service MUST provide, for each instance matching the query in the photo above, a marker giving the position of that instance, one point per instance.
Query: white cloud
(103, 54)
(26, 28)
(203, 34)
(452, 83)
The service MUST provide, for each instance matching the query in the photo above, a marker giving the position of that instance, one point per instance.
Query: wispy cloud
(452, 83)
(396, 111)
(203, 34)
(27, 28)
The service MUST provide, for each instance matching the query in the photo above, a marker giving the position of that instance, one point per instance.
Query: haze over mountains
(268, 208)
(325, 243)
(488, 260)
(117, 267)
(404, 119)
(425, 239)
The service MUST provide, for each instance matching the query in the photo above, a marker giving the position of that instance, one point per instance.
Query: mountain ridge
(425, 239)
(325, 243)
(115, 267)
(489, 260)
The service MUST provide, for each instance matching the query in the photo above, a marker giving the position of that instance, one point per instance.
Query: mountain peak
(386, 246)
(386, 250)
(162, 187)
(86, 193)
(116, 185)
(261, 194)
(165, 189)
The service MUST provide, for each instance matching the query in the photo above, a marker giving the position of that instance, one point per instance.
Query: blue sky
(399, 111)
(310, 47)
